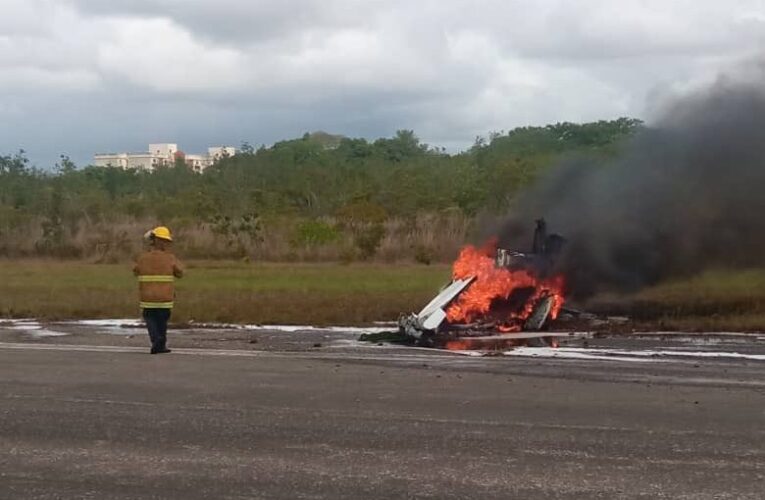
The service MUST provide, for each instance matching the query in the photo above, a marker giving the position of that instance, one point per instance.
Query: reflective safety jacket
(156, 271)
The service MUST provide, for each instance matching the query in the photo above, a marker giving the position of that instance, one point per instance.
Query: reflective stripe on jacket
(156, 271)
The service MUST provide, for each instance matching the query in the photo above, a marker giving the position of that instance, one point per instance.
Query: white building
(217, 152)
(162, 154)
(197, 163)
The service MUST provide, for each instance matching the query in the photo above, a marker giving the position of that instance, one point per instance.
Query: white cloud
(46, 47)
(30, 78)
(160, 55)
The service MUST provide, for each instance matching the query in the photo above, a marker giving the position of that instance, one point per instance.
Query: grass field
(318, 294)
(712, 301)
(324, 294)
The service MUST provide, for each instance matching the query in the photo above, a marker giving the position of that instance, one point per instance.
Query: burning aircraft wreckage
(497, 297)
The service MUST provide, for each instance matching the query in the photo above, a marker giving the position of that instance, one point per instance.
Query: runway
(106, 420)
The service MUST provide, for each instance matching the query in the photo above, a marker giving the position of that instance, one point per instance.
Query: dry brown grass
(434, 238)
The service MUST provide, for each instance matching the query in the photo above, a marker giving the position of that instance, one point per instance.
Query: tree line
(315, 192)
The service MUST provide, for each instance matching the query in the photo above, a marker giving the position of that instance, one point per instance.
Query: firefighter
(157, 270)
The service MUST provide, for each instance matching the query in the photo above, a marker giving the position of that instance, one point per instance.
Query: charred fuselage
(508, 291)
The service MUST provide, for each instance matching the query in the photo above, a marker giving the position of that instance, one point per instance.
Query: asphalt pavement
(110, 421)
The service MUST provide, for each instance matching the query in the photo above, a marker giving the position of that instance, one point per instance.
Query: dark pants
(156, 323)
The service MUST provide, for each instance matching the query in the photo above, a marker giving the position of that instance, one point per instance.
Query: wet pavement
(298, 412)
(637, 347)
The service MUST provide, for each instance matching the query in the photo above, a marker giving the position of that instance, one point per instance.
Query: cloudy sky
(80, 76)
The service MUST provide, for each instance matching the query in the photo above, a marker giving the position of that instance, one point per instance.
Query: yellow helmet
(162, 232)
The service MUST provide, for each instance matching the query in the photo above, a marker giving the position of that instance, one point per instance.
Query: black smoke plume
(685, 195)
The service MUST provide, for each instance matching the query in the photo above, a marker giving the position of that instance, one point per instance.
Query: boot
(161, 349)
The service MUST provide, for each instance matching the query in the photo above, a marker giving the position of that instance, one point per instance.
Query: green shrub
(363, 212)
(313, 233)
(423, 254)
(368, 240)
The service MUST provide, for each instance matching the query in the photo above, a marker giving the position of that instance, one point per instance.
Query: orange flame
(493, 284)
